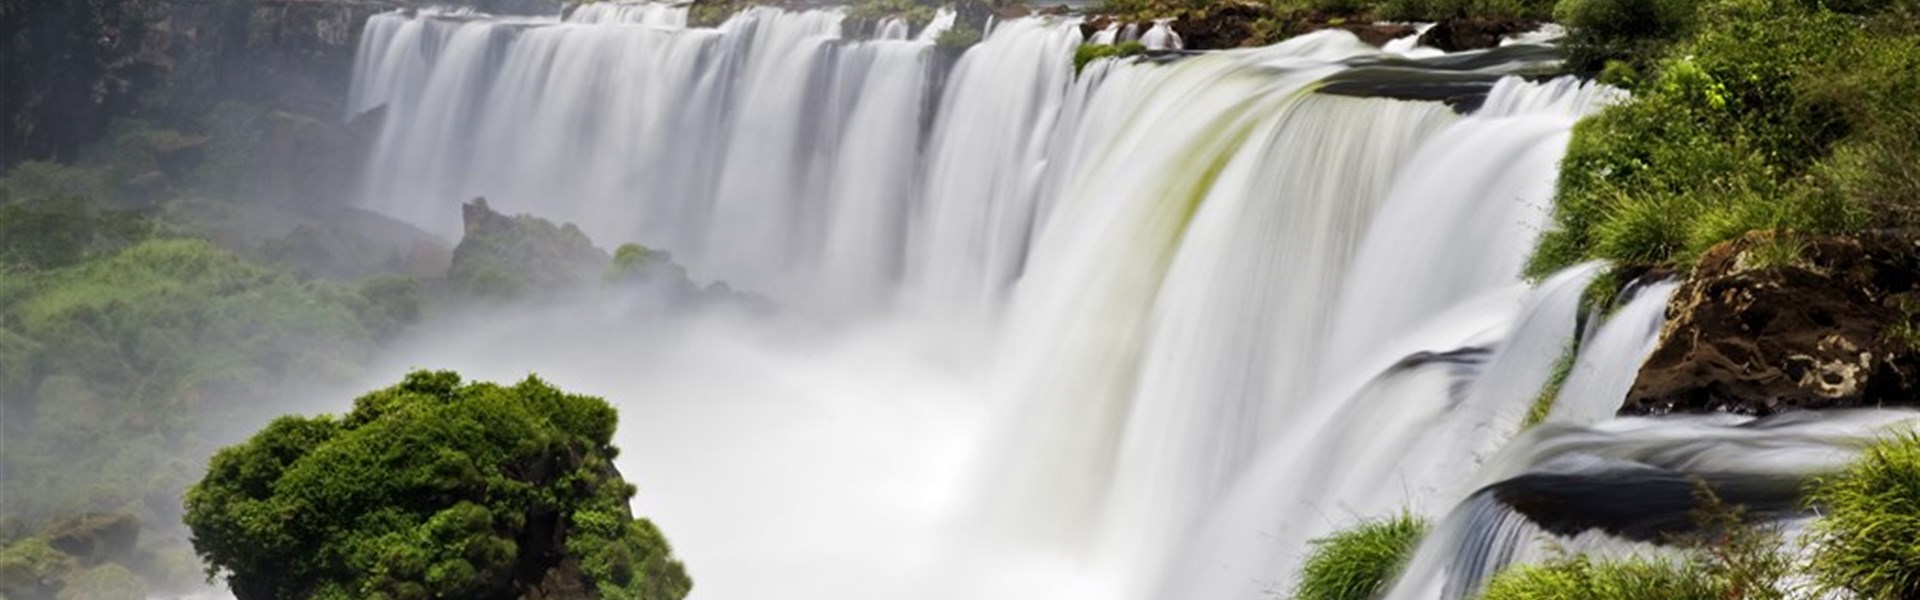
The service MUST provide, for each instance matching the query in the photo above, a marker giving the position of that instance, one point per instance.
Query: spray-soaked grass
(1360, 562)
(1868, 542)
(1581, 578)
(1562, 368)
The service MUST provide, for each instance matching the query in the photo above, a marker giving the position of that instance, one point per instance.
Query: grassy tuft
(1582, 578)
(1868, 543)
(1358, 563)
(1543, 403)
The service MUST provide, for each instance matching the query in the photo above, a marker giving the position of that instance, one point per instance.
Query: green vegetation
(915, 12)
(1336, 11)
(1724, 558)
(150, 347)
(129, 348)
(1775, 115)
(1543, 403)
(960, 37)
(89, 556)
(1581, 578)
(1359, 563)
(1087, 53)
(1626, 33)
(430, 489)
(1865, 542)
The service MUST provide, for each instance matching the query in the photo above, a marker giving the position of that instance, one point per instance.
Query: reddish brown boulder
(1775, 323)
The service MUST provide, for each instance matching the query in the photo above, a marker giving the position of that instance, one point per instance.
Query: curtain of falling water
(1229, 314)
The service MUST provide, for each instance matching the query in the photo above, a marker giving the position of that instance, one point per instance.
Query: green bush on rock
(1358, 563)
(431, 489)
(1868, 541)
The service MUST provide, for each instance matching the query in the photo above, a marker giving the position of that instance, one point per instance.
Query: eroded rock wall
(1771, 323)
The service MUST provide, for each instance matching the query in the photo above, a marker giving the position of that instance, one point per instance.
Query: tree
(431, 489)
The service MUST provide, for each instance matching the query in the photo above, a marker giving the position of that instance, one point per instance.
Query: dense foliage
(147, 346)
(1868, 541)
(1764, 115)
(430, 489)
(130, 346)
(1359, 563)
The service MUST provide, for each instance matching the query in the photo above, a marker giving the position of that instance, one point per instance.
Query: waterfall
(1148, 327)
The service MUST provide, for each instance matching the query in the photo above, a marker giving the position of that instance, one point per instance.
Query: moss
(1358, 563)
(916, 13)
(1543, 403)
(1088, 53)
(105, 582)
(957, 38)
(32, 568)
(1864, 544)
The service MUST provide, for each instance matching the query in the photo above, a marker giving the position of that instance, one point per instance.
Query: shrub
(1620, 30)
(430, 488)
(1358, 563)
(39, 179)
(1772, 116)
(44, 233)
(1865, 543)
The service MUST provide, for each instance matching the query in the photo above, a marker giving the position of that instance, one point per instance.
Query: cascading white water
(1182, 317)
(637, 129)
(989, 146)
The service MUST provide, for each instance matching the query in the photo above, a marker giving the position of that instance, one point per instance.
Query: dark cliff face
(72, 67)
(1775, 323)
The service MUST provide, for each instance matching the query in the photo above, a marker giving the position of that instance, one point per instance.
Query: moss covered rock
(514, 256)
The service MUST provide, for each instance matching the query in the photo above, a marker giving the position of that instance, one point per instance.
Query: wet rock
(1223, 25)
(96, 537)
(513, 256)
(1776, 323)
(1378, 34)
(1473, 33)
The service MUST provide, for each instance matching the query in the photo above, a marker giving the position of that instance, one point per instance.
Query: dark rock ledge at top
(1771, 323)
